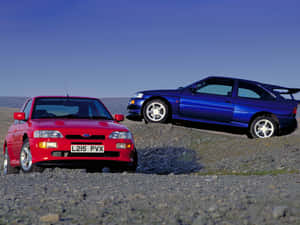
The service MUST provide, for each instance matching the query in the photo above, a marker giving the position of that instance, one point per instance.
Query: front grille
(86, 143)
(80, 137)
(70, 154)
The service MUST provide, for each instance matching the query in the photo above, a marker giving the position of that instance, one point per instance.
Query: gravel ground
(185, 176)
(75, 197)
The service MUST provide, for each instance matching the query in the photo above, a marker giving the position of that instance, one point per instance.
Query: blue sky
(114, 48)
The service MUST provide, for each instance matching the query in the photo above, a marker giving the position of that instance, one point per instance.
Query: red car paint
(23, 129)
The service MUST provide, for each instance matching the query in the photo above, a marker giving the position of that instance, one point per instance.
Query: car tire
(156, 111)
(94, 169)
(26, 159)
(7, 168)
(263, 127)
(132, 167)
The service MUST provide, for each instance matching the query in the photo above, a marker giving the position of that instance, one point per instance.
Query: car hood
(77, 124)
(163, 91)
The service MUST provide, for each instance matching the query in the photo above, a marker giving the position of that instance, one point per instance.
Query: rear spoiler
(287, 90)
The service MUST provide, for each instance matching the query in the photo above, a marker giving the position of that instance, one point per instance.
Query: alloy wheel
(26, 158)
(264, 128)
(5, 162)
(156, 111)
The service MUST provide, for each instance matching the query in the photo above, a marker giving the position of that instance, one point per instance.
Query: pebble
(49, 218)
(150, 196)
(280, 211)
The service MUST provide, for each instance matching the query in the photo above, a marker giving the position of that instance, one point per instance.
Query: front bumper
(134, 109)
(83, 164)
(63, 154)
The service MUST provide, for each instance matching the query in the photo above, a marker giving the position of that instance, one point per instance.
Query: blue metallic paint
(215, 109)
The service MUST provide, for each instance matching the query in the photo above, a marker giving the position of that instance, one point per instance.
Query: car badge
(86, 135)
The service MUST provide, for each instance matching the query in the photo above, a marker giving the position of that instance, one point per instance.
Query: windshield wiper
(100, 117)
(70, 116)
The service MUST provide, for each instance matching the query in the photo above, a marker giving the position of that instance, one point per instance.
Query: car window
(247, 93)
(73, 108)
(216, 87)
(252, 91)
(27, 108)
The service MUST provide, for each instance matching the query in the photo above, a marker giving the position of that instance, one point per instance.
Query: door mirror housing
(119, 117)
(193, 88)
(19, 116)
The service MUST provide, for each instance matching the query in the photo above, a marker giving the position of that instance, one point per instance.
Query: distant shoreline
(114, 104)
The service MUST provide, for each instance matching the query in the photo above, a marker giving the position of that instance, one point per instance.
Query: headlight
(138, 95)
(120, 135)
(47, 134)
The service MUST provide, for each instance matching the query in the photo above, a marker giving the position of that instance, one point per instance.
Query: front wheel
(263, 127)
(26, 159)
(131, 167)
(156, 111)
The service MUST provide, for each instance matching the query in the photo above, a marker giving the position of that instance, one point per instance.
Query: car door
(21, 128)
(210, 99)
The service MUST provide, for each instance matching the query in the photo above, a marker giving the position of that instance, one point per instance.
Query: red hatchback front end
(68, 132)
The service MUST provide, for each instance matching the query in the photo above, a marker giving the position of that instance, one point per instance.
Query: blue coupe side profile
(263, 109)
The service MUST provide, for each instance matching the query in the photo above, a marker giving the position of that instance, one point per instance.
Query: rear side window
(252, 91)
(215, 87)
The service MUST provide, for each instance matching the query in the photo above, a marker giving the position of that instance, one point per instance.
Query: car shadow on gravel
(228, 129)
(167, 160)
(212, 127)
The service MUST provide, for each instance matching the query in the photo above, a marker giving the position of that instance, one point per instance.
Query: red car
(73, 132)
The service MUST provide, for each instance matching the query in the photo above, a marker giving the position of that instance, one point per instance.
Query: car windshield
(70, 108)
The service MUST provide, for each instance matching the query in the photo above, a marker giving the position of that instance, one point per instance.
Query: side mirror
(193, 89)
(119, 117)
(19, 116)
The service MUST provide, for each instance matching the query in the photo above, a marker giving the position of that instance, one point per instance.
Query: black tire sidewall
(164, 119)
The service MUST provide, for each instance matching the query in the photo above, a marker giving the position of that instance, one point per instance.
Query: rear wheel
(26, 159)
(263, 127)
(156, 111)
(7, 168)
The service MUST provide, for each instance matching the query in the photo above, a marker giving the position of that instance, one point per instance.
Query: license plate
(87, 148)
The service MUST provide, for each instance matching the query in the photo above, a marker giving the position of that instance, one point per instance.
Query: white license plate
(87, 148)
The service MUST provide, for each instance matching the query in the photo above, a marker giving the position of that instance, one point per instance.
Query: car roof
(269, 86)
(53, 96)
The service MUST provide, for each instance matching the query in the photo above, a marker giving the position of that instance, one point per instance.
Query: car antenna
(66, 89)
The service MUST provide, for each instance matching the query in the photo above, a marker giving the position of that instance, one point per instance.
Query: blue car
(263, 109)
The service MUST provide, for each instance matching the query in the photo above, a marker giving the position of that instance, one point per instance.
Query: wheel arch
(263, 113)
(160, 98)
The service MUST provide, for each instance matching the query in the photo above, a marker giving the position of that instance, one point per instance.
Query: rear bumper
(288, 123)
